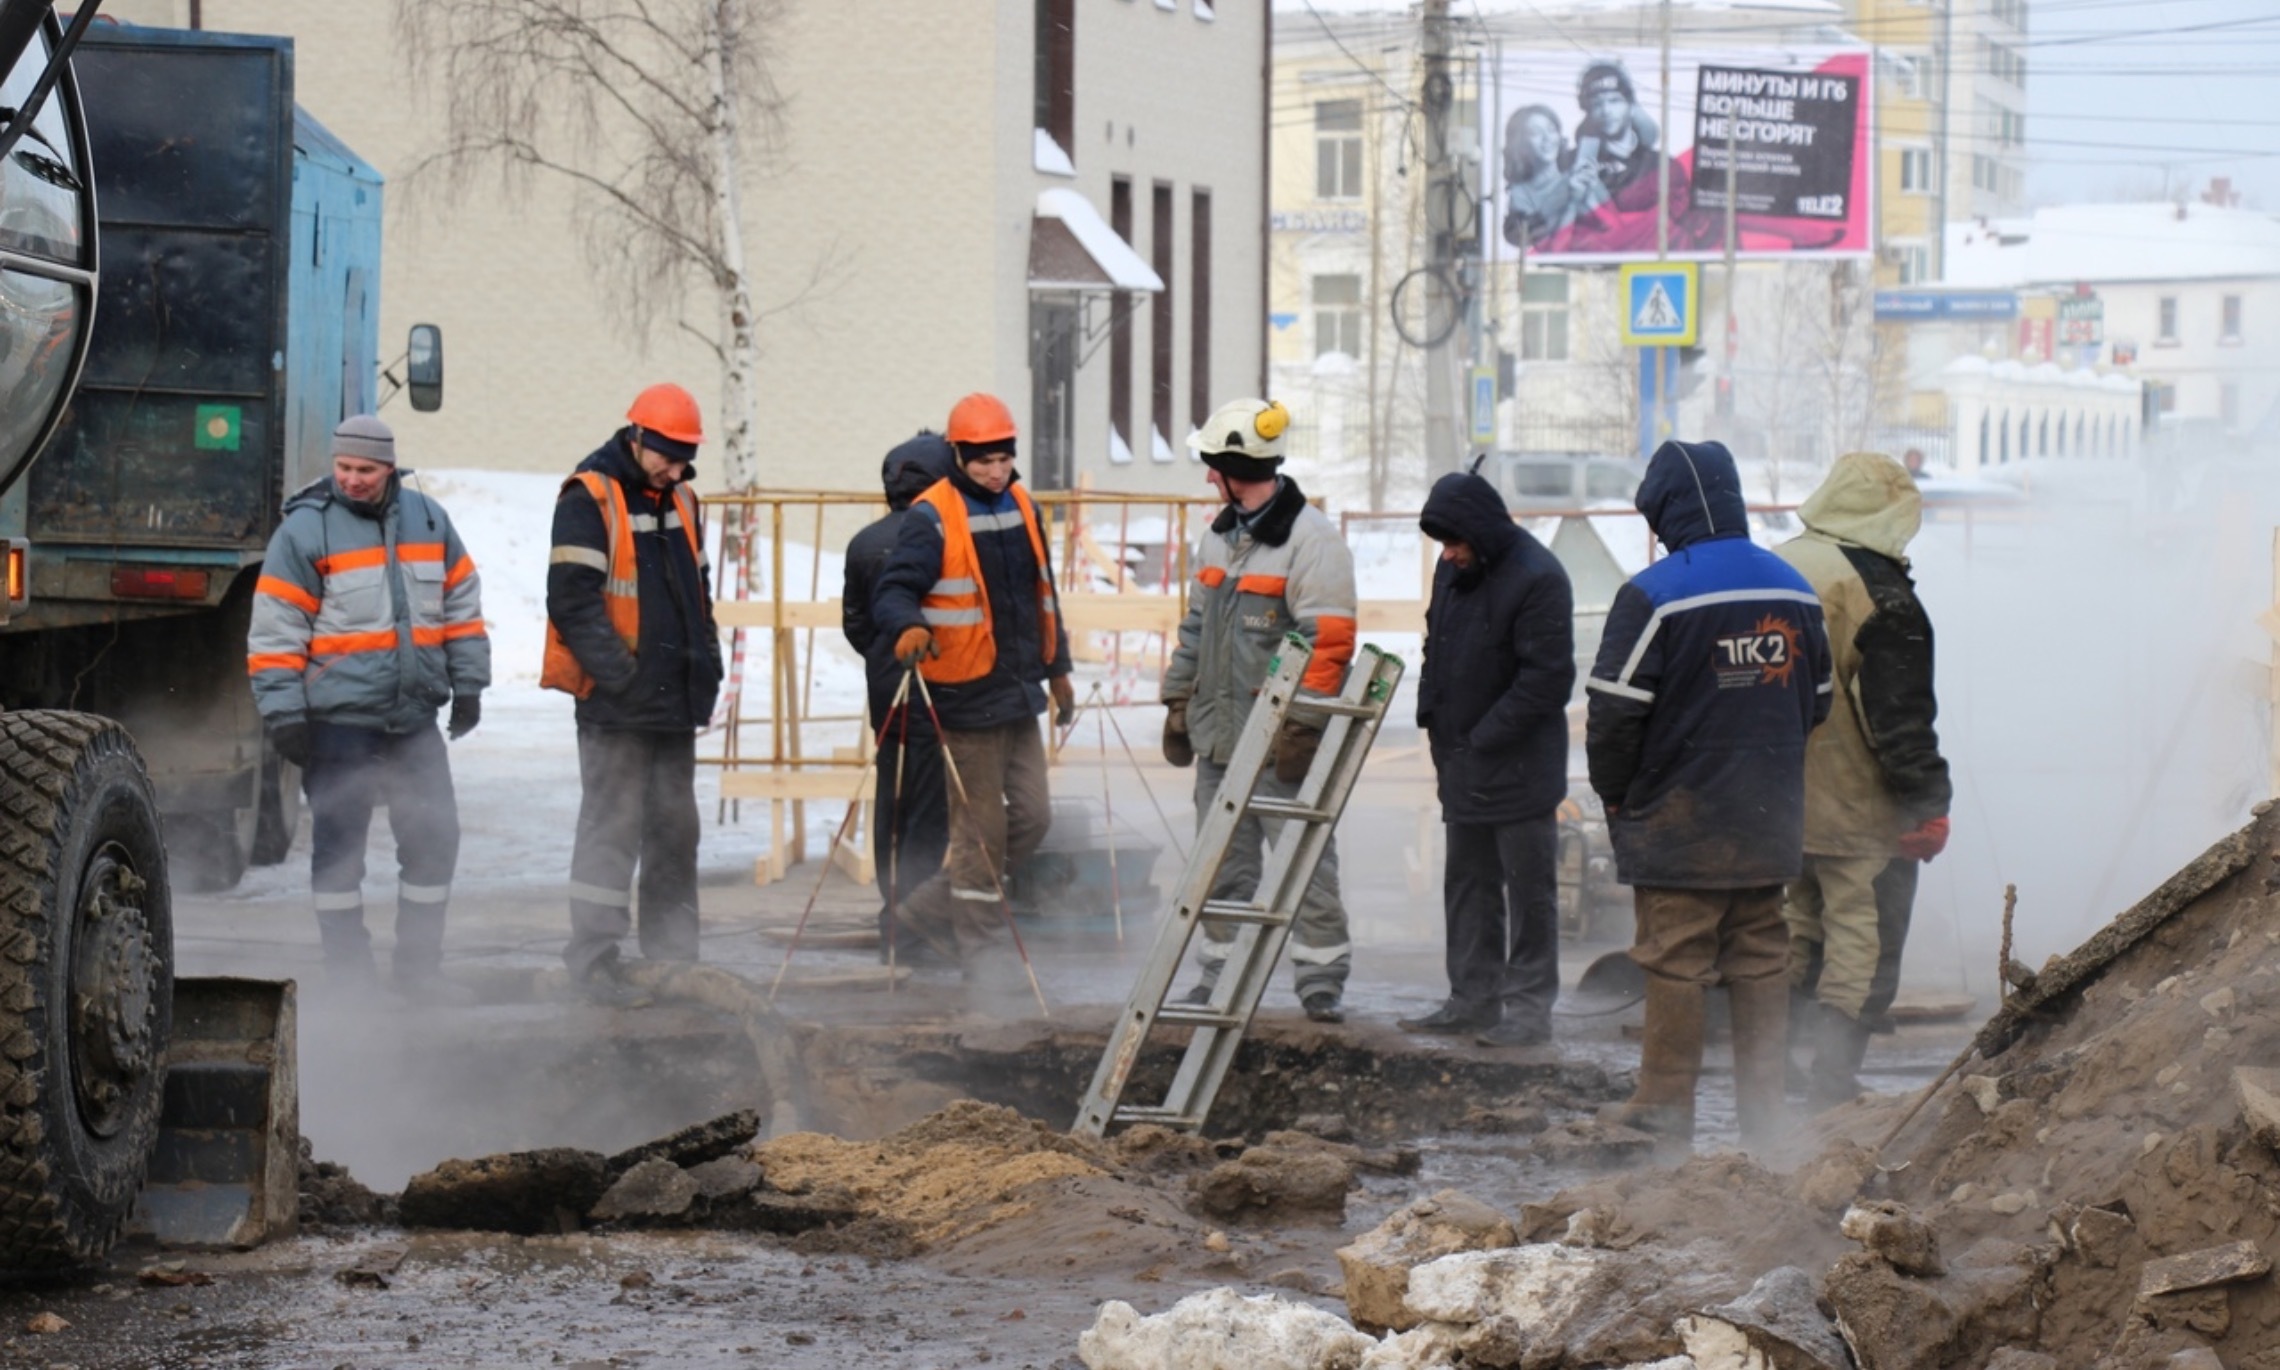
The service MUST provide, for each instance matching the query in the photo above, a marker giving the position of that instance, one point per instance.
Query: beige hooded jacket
(1874, 770)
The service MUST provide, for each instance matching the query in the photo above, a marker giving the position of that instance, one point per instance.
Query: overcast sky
(2128, 97)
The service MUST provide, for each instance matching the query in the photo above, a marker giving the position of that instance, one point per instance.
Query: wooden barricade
(1102, 592)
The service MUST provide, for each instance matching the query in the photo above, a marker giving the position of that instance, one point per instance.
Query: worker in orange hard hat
(630, 633)
(967, 599)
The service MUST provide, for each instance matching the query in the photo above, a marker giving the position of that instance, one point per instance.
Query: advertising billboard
(1579, 143)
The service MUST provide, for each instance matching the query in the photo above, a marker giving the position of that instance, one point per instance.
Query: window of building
(1338, 315)
(1338, 149)
(1160, 312)
(2230, 330)
(1055, 96)
(1915, 263)
(1121, 306)
(1199, 307)
(2228, 404)
(2166, 334)
(1916, 170)
(1544, 316)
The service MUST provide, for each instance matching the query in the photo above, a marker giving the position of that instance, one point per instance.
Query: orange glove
(913, 644)
(1926, 840)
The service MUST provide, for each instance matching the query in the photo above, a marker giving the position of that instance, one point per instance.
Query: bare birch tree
(653, 112)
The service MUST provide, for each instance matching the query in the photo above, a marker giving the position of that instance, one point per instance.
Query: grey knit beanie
(361, 435)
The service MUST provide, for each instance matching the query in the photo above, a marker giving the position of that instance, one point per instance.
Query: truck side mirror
(423, 367)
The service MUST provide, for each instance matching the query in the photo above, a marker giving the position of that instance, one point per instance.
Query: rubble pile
(2099, 1189)
(330, 1197)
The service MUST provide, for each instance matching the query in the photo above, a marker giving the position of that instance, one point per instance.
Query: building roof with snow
(2115, 243)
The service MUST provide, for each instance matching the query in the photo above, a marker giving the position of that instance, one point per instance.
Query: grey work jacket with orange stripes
(1284, 570)
(367, 616)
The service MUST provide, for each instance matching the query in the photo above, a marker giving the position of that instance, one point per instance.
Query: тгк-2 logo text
(1766, 655)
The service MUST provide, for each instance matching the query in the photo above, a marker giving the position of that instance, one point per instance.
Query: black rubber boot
(1839, 1043)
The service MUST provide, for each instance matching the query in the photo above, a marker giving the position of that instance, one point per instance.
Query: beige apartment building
(1059, 201)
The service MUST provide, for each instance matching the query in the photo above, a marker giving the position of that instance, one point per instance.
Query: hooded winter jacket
(1014, 686)
(365, 615)
(1499, 661)
(912, 466)
(1283, 570)
(670, 683)
(1874, 771)
(1713, 670)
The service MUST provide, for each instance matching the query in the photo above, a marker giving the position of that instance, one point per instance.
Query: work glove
(290, 740)
(1295, 747)
(1064, 701)
(466, 712)
(913, 644)
(1926, 840)
(1177, 748)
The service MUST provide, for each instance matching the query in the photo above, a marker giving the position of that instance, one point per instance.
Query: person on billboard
(1617, 143)
(1543, 191)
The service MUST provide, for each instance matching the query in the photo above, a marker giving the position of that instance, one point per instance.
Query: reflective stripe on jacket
(957, 608)
(621, 573)
(365, 617)
(1287, 571)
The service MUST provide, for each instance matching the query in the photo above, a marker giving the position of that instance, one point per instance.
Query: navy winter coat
(1713, 670)
(674, 681)
(913, 465)
(1499, 662)
(1015, 687)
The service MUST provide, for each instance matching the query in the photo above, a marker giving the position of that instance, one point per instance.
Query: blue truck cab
(236, 321)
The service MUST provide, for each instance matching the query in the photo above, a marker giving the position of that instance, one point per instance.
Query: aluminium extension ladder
(1350, 724)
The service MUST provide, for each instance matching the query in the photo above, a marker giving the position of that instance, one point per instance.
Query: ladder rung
(1288, 808)
(1228, 911)
(1156, 1113)
(1333, 707)
(1191, 1015)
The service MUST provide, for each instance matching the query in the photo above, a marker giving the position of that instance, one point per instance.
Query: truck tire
(86, 985)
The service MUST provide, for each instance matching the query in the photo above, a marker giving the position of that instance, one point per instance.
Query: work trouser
(637, 811)
(1710, 937)
(996, 824)
(350, 771)
(1321, 950)
(1500, 894)
(1848, 922)
(910, 818)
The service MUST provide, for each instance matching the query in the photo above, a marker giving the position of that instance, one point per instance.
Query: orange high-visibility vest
(957, 609)
(621, 585)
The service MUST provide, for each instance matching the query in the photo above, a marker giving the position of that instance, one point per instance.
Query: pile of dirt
(984, 1191)
(955, 1172)
(2103, 1127)
(332, 1198)
(2102, 1171)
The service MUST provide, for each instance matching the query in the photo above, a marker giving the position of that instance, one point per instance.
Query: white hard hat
(1241, 429)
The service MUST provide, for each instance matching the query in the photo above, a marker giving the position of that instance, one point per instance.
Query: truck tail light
(18, 576)
(157, 582)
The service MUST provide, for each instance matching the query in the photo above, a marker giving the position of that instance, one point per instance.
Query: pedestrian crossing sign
(1660, 304)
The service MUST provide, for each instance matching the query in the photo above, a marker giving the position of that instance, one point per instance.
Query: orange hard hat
(980, 418)
(668, 411)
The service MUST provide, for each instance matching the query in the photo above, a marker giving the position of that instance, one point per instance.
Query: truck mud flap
(226, 1168)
